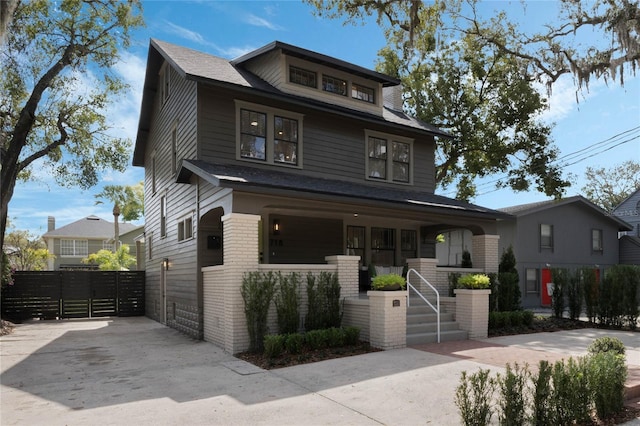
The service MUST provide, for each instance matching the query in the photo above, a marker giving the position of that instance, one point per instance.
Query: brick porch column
(387, 319)
(427, 268)
(472, 312)
(485, 252)
(347, 273)
(241, 254)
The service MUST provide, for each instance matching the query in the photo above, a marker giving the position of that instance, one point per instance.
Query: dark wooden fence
(73, 294)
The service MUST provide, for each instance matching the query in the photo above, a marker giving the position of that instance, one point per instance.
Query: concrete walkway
(134, 371)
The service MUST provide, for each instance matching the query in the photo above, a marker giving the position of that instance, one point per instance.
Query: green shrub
(466, 260)
(351, 335)
(508, 291)
(574, 295)
(335, 337)
(542, 414)
(316, 339)
(287, 301)
(474, 396)
(493, 286)
(527, 318)
(570, 395)
(274, 345)
(606, 344)
(257, 292)
(323, 296)
(619, 297)
(513, 395)
(591, 292)
(294, 343)
(453, 282)
(607, 375)
(387, 280)
(560, 279)
(474, 281)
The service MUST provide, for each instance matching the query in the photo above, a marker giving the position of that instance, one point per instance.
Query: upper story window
(303, 77)
(388, 158)
(163, 216)
(546, 236)
(269, 135)
(363, 93)
(74, 248)
(185, 228)
(596, 240)
(334, 85)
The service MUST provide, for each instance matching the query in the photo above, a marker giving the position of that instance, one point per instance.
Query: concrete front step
(422, 326)
(418, 318)
(445, 336)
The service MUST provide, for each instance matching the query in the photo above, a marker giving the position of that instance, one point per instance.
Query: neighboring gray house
(568, 233)
(314, 152)
(75, 241)
(629, 211)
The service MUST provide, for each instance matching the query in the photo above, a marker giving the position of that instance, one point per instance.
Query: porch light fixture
(276, 226)
(165, 263)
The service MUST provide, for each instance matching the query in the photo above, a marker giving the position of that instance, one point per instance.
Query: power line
(586, 151)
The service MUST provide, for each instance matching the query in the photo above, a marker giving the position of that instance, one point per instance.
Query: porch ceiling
(278, 182)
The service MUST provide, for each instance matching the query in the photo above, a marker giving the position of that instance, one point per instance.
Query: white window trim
(389, 138)
(75, 252)
(269, 143)
(182, 227)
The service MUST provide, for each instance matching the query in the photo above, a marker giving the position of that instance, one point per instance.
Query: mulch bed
(306, 356)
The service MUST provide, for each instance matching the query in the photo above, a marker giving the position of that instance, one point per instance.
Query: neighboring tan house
(629, 211)
(568, 233)
(281, 157)
(75, 241)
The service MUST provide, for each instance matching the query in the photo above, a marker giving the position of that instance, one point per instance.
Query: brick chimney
(51, 223)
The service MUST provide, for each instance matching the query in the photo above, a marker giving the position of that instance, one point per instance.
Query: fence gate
(74, 294)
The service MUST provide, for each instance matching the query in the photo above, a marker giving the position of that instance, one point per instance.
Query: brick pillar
(472, 312)
(427, 268)
(347, 273)
(387, 319)
(485, 252)
(240, 236)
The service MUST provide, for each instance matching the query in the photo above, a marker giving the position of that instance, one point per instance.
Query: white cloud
(257, 21)
(185, 33)
(564, 99)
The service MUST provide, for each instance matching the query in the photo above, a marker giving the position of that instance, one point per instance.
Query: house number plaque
(396, 302)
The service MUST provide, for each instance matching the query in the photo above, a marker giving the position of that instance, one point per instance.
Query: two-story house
(311, 154)
(75, 241)
(569, 233)
(629, 211)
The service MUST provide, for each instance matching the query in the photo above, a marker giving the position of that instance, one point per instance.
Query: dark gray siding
(333, 146)
(630, 250)
(183, 297)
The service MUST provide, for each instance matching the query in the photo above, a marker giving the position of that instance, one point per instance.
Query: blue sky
(231, 28)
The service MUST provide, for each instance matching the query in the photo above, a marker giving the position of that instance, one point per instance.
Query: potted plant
(474, 282)
(388, 282)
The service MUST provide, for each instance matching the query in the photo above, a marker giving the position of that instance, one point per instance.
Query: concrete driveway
(134, 371)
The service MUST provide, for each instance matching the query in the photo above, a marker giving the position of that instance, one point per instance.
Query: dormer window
(334, 85)
(362, 93)
(303, 77)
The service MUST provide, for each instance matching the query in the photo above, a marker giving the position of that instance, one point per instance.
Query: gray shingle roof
(235, 176)
(90, 227)
(530, 208)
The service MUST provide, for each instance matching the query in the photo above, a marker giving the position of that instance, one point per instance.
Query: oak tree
(56, 84)
(608, 187)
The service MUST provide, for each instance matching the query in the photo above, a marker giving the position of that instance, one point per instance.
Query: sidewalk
(125, 371)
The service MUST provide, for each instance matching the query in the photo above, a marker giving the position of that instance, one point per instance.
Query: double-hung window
(389, 158)
(74, 248)
(596, 240)
(269, 135)
(185, 229)
(546, 237)
(532, 280)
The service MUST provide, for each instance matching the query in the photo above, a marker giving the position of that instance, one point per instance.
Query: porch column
(347, 273)
(485, 252)
(240, 237)
(427, 268)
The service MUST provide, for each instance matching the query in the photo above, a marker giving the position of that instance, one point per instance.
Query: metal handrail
(435, 308)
